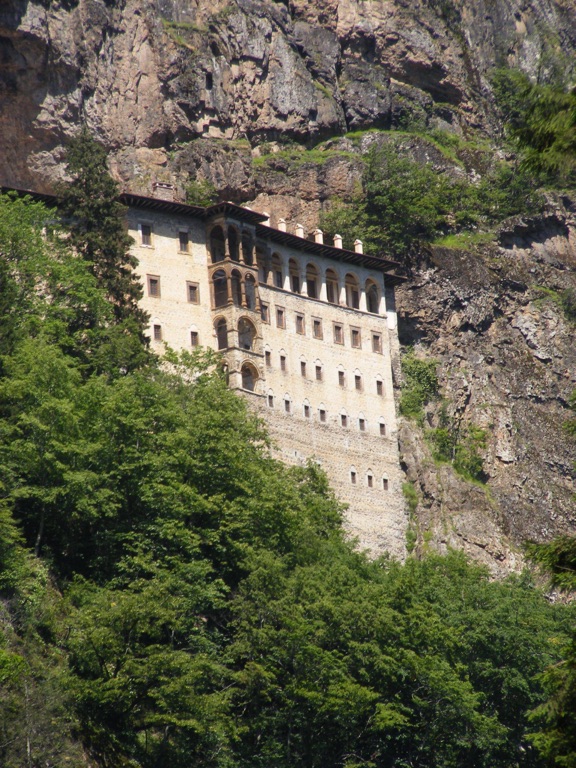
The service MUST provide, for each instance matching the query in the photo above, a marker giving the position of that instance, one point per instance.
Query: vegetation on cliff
(172, 596)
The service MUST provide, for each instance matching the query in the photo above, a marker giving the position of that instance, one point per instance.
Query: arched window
(277, 271)
(217, 251)
(372, 297)
(332, 288)
(220, 288)
(352, 292)
(294, 276)
(236, 287)
(246, 334)
(247, 250)
(233, 244)
(249, 377)
(370, 479)
(250, 292)
(222, 333)
(312, 281)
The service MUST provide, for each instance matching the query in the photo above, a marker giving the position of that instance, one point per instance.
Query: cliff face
(181, 89)
(148, 74)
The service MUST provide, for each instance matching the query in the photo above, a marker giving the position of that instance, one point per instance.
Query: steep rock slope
(148, 74)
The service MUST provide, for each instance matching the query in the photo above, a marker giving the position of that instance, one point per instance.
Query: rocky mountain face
(185, 89)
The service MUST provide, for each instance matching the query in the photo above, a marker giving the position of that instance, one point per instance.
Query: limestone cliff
(184, 89)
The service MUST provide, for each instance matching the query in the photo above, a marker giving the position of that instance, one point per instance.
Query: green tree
(95, 220)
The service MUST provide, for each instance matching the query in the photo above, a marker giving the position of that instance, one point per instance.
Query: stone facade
(309, 335)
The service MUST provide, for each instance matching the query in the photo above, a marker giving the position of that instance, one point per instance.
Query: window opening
(154, 286)
(283, 363)
(280, 318)
(270, 401)
(338, 334)
(220, 288)
(353, 477)
(318, 373)
(287, 406)
(317, 329)
(358, 382)
(264, 312)
(146, 230)
(382, 428)
(384, 483)
(355, 338)
(307, 411)
(372, 298)
(222, 334)
(370, 480)
(194, 338)
(322, 415)
(246, 334)
(377, 343)
(303, 368)
(183, 242)
(157, 333)
(300, 324)
(268, 358)
(344, 419)
(379, 387)
(193, 293)
(341, 378)
(362, 425)
(249, 377)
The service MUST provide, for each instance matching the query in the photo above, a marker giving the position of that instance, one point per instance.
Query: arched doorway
(249, 377)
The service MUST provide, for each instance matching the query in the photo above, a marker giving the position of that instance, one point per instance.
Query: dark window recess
(358, 382)
(353, 478)
(362, 425)
(270, 401)
(317, 329)
(282, 362)
(338, 334)
(384, 484)
(344, 420)
(307, 411)
(194, 338)
(356, 338)
(318, 373)
(268, 357)
(280, 319)
(376, 343)
(278, 279)
(370, 481)
(193, 293)
(154, 286)
(146, 234)
(299, 323)
(303, 368)
(264, 312)
(382, 429)
(295, 280)
(157, 333)
(287, 406)
(184, 242)
(341, 378)
(322, 415)
(379, 387)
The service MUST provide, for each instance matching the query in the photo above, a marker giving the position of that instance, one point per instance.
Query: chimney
(337, 241)
(282, 225)
(163, 191)
(318, 236)
(358, 246)
(299, 231)
(266, 221)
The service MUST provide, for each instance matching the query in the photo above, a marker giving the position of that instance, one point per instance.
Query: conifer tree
(94, 218)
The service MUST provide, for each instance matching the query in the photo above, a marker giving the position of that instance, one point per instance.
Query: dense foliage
(403, 203)
(172, 596)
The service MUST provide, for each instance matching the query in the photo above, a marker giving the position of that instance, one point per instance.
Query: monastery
(308, 331)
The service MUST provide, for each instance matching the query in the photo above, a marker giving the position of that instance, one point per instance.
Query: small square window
(303, 368)
(280, 317)
(355, 338)
(338, 334)
(353, 477)
(270, 401)
(377, 343)
(146, 232)
(193, 293)
(183, 242)
(283, 363)
(318, 373)
(362, 425)
(358, 382)
(384, 483)
(341, 378)
(322, 415)
(268, 358)
(343, 419)
(157, 333)
(194, 338)
(153, 286)
(264, 312)
(300, 324)
(317, 328)
(307, 411)
(370, 481)
(287, 406)
(379, 387)
(382, 428)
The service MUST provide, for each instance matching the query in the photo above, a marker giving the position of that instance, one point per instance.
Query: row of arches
(247, 334)
(229, 243)
(235, 287)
